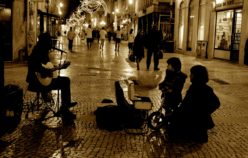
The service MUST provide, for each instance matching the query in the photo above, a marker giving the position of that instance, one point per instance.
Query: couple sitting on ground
(188, 118)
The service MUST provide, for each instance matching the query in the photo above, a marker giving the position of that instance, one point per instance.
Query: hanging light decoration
(88, 6)
(91, 6)
(76, 19)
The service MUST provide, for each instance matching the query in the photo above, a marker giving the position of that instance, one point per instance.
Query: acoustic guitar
(46, 79)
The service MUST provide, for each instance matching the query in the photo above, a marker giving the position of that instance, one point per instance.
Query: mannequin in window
(223, 42)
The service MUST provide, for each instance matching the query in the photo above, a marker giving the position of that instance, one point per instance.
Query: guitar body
(46, 80)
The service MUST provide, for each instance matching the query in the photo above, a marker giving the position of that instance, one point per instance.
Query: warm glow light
(201, 33)
(130, 1)
(219, 1)
(86, 25)
(117, 10)
(61, 4)
(180, 45)
(103, 23)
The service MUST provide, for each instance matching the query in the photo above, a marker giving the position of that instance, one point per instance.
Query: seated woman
(193, 120)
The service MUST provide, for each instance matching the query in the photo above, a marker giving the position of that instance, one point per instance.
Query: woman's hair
(45, 40)
(175, 63)
(199, 74)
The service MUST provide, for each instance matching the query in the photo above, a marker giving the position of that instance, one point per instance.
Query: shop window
(224, 30)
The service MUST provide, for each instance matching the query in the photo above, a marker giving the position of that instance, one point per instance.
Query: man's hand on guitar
(65, 64)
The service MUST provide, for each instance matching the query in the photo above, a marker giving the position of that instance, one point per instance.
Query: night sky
(72, 5)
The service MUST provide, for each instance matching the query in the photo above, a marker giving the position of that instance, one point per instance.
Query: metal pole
(47, 18)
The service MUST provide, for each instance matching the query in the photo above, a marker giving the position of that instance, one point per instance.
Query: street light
(61, 4)
(59, 8)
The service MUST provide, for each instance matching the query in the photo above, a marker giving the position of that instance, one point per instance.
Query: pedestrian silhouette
(153, 41)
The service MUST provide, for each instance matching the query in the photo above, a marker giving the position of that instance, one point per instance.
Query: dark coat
(138, 48)
(196, 108)
(171, 87)
(153, 40)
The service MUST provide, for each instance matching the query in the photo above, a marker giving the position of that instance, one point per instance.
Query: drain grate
(219, 81)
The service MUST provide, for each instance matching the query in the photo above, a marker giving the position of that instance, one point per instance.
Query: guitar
(46, 78)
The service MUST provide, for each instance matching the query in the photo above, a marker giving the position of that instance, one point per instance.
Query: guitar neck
(60, 66)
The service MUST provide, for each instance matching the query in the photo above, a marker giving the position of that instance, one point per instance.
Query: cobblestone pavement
(92, 74)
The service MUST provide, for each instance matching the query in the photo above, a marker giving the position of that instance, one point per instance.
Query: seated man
(172, 85)
(40, 77)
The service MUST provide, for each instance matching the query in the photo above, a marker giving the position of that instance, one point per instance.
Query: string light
(88, 6)
(92, 6)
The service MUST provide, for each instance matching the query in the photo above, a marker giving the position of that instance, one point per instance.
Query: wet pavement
(92, 74)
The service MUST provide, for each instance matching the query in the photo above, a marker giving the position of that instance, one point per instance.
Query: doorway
(237, 21)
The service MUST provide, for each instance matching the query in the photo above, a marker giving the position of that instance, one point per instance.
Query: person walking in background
(172, 84)
(97, 35)
(153, 41)
(89, 38)
(109, 35)
(193, 119)
(103, 34)
(70, 36)
(117, 38)
(138, 47)
(130, 41)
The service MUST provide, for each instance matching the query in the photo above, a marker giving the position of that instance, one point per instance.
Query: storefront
(228, 29)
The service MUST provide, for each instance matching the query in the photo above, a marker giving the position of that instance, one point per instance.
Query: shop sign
(225, 3)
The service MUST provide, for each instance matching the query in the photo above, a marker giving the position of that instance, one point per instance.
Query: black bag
(11, 108)
(160, 55)
(131, 57)
(110, 117)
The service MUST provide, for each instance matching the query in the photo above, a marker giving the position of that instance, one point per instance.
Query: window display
(224, 30)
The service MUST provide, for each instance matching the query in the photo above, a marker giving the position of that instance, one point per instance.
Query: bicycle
(160, 118)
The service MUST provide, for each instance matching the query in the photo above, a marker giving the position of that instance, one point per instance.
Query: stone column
(19, 28)
(244, 32)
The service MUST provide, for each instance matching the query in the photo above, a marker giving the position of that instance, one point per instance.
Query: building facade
(212, 29)
(202, 28)
(161, 13)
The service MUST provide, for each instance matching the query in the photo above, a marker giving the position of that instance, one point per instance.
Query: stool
(38, 101)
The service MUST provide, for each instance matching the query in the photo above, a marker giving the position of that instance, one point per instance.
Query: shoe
(156, 69)
(68, 115)
(72, 104)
